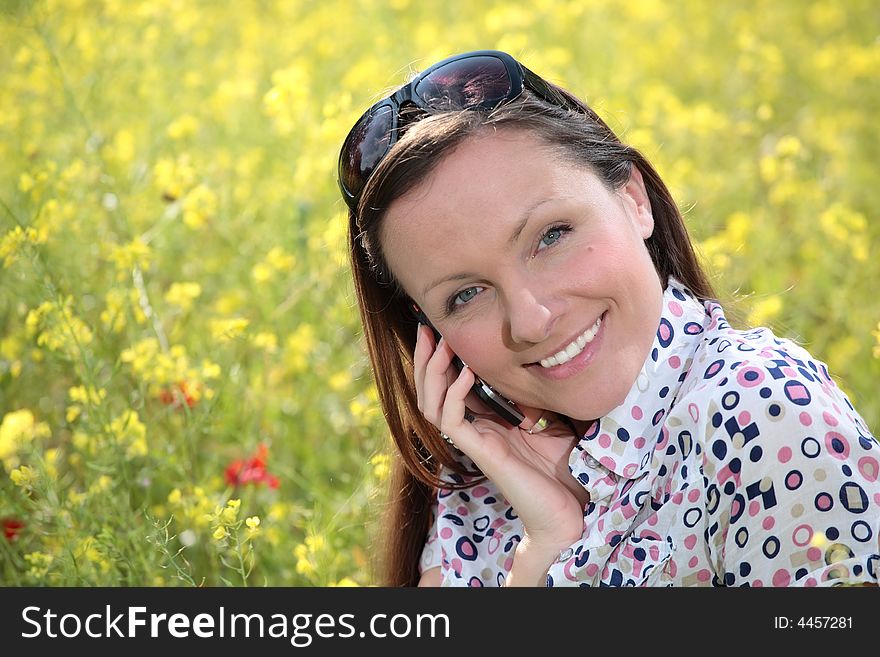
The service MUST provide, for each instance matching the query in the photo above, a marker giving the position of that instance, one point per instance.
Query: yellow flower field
(185, 398)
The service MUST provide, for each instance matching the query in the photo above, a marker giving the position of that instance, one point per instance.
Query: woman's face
(514, 255)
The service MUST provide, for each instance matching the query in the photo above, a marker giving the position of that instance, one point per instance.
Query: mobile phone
(502, 406)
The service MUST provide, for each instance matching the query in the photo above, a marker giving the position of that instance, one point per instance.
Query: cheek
(591, 269)
(478, 346)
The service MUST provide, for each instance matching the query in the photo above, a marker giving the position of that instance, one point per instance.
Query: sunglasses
(478, 80)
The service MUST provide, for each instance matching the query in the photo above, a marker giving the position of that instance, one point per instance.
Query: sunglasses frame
(519, 76)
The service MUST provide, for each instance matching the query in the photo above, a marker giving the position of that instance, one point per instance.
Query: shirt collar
(623, 440)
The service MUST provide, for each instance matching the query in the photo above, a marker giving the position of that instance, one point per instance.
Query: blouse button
(566, 554)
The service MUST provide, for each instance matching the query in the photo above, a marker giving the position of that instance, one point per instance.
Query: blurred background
(185, 396)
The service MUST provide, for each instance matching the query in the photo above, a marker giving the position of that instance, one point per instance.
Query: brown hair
(390, 329)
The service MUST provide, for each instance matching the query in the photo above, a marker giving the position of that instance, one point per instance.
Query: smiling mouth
(573, 349)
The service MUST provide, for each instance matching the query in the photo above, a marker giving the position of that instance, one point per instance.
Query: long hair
(389, 328)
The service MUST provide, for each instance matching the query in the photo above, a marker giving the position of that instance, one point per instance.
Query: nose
(529, 315)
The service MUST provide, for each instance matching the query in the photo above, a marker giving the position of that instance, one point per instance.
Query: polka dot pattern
(735, 460)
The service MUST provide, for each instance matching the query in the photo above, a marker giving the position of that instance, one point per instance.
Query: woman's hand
(531, 471)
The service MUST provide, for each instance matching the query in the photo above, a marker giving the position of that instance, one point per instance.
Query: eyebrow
(514, 236)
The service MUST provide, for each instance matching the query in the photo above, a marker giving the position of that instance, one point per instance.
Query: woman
(647, 442)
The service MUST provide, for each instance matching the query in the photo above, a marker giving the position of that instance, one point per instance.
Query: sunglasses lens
(475, 81)
(365, 147)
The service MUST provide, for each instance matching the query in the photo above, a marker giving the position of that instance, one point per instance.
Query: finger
(425, 347)
(533, 418)
(420, 359)
(436, 382)
(452, 371)
(453, 421)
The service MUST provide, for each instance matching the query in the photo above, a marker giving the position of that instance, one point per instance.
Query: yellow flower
(381, 466)
(789, 146)
(261, 272)
(340, 380)
(174, 178)
(224, 330)
(92, 395)
(128, 430)
(100, 485)
(39, 564)
(277, 511)
(253, 526)
(769, 168)
(89, 549)
(199, 206)
(58, 329)
(229, 515)
(266, 341)
(304, 565)
(51, 460)
(210, 370)
(182, 295)
(121, 148)
(14, 242)
(141, 355)
(26, 182)
(11, 347)
(764, 310)
(17, 430)
(280, 260)
(128, 256)
(229, 302)
(24, 477)
(299, 346)
(315, 543)
(81, 440)
(219, 533)
(361, 410)
(113, 316)
(183, 127)
(72, 413)
(290, 92)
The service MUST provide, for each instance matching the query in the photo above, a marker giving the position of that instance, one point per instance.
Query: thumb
(535, 420)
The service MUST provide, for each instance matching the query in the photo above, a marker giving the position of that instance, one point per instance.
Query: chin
(597, 406)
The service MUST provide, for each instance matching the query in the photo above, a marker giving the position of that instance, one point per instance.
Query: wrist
(532, 559)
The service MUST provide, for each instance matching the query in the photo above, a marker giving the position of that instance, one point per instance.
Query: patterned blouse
(735, 460)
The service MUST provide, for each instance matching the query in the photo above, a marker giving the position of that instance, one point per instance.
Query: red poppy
(11, 528)
(172, 398)
(251, 470)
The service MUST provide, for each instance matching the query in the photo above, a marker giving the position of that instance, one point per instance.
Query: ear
(636, 198)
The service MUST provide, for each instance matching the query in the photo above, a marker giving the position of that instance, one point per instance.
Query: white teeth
(574, 348)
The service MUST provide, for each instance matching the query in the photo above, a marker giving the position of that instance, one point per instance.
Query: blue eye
(465, 295)
(456, 301)
(553, 235)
